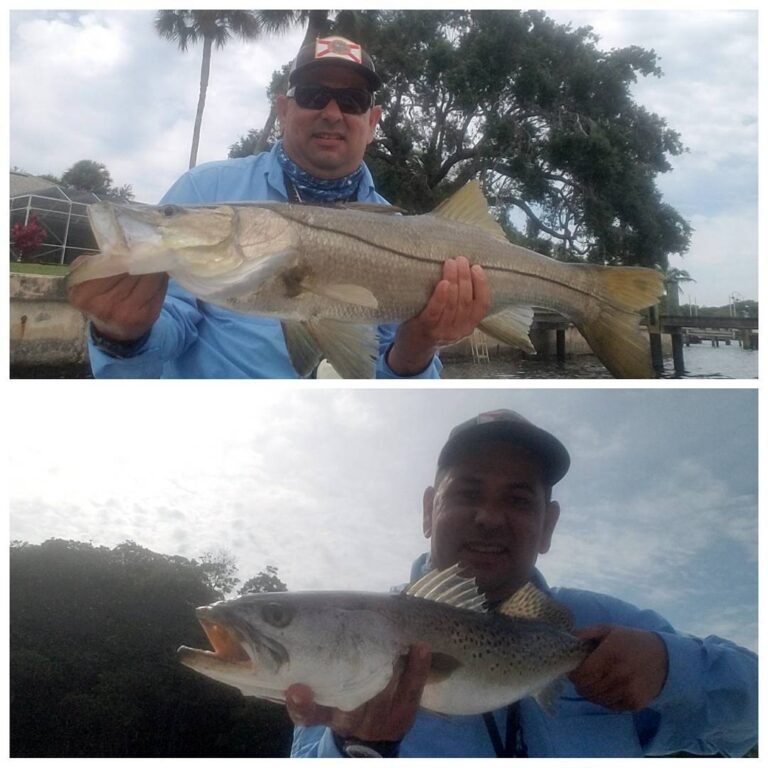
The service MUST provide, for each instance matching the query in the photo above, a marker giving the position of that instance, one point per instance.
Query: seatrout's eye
(277, 614)
(170, 210)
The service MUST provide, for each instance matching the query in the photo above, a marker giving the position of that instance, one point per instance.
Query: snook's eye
(277, 614)
(170, 210)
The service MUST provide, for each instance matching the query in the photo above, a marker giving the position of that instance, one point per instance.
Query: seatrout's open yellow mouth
(227, 647)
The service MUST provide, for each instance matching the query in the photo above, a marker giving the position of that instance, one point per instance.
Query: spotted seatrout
(345, 645)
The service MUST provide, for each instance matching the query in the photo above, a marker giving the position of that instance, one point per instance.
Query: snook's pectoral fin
(351, 349)
(302, 348)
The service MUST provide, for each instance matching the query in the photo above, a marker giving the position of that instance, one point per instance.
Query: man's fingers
(147, 291)
(90, 289)
(626, 670)
(432, 313)
(482, 293)
(592, 670)
(122, 307)
(414, 677)
(451, 276)
(465, 292)
(410, 688)
(302, 709)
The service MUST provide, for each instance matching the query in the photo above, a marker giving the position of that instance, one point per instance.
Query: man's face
(489, 512)
(327, 142)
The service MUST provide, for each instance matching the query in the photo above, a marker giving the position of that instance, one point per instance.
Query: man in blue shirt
(147, 327)
(646, 689)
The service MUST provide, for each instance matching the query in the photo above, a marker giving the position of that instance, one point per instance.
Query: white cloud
(91, 50)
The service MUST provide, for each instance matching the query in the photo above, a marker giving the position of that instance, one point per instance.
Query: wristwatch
(352, 747)
(115, 348)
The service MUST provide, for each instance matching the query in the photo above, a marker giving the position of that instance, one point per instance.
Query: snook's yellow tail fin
(611, 323)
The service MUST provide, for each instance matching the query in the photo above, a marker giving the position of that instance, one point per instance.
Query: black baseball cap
(509, 427)
(337, 51)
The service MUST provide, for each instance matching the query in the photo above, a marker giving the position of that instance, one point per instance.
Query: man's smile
(484, 548)
(328, 136)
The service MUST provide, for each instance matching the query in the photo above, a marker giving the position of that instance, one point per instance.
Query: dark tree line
(93, 669)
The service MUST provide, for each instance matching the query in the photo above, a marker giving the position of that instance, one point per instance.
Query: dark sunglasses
(351, 101)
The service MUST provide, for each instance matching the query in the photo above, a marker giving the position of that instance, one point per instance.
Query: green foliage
(188, 27)
(93, 669)
(88, 175)
(57, 270)
(537, 111)
(246, 145)
(93, 177)
(747, 308)
(220, 572)
(266, 581)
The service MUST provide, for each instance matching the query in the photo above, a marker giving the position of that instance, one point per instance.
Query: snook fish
(345, 645)
(331, 274)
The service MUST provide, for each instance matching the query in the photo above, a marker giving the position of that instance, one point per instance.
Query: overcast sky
(102, 85)
(659, 507)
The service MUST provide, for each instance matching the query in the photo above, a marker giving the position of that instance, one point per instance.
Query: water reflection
(701, 362)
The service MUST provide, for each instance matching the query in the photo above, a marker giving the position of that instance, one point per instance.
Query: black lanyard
(514, 745)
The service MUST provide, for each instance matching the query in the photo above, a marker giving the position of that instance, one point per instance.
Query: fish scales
(425, 242)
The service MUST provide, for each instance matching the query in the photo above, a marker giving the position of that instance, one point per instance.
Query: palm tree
(672, 279)
(185, 27)
(675, 275)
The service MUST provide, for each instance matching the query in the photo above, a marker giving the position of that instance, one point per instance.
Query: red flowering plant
(27, 238)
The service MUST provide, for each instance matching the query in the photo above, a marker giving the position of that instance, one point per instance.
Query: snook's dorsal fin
(531, 603)
(469, 206)
(383, 208)
(449, 588)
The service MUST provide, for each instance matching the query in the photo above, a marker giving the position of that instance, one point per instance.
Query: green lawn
(39, 269)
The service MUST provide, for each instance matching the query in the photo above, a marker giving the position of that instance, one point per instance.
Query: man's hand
(626, 671)
(386, 717)
(458, 303)
(123, 307)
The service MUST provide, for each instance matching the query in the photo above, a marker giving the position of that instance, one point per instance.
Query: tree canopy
(93, 668)
(93, 177)
(266, 581)
(535, 109)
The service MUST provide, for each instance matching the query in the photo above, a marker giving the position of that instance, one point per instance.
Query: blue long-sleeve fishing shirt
(708, 703)
(192, 339)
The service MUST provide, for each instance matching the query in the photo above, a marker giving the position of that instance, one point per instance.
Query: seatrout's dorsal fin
(531, 603)
(469, 206)
(448, 587)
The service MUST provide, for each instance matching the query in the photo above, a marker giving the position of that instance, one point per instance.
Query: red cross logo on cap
(339, 48)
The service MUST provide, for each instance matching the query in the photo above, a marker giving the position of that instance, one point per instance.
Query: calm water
(702, 361)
